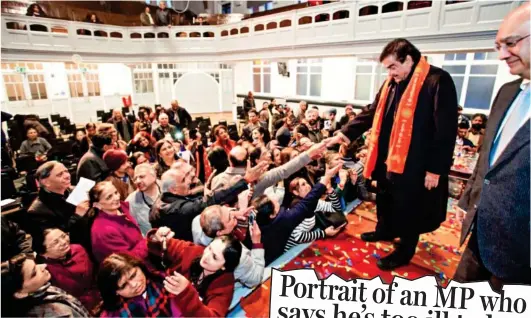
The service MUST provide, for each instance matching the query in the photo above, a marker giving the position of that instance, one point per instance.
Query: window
(14, 87)
(309, 74)
(75, 84)
(24, 80)
(37, 86)
(143, 82)
(262, 76)
(363, 81)
(83, 79)
(474, 76)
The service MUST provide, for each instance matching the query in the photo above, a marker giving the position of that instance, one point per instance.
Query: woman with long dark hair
(198, 281)
(113, 228)
(260, 137)
(27, 292)
(143, 123)
(35, 10)
(223, 139)
(145, 143)
(166, 156)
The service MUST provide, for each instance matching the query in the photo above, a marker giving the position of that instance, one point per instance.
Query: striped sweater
(305, 232)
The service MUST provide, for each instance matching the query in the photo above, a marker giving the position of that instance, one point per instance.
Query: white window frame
(309, 63)
(37, 69)
(373, 81)
(468, 63)
(92, 70)
(262, 66)
(146, 78)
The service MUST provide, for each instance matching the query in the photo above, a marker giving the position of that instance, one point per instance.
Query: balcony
(336, 28)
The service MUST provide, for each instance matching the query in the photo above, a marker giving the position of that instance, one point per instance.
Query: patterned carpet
(347, 256)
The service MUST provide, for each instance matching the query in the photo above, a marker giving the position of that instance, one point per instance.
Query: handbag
(326, 219)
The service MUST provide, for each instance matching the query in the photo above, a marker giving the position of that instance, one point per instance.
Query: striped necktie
(514, 121)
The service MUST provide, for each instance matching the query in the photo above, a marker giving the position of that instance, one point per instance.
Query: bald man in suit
(496, 199)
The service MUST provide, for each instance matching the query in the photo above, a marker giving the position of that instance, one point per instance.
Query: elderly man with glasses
(497, 195)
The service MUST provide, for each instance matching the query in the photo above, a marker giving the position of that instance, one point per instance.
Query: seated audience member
(118, 164)
(352, 174)
(113, 229)
(223, 139)
(110, 130)
(91, 166)
(69, 265)
(462, 118)
(277, 223)
(306, 232)
(166, 156)
(461, 140)
(216, 221)
(260, 137)
(92, 18)
(146, 193)
(35, 10)
(14, 240)
(333, 123)
(253, 123)
(165, 130)
(275, 153)
(121, 124)
(301, 115)
(198, 282)
(138, 158)
(35, 145)
(178, 116)
(77, 148)
(237, 165)
(145, 17)
(219, 161)
(349, 109)
(143, 123)
(314, 125)
(27, 292)
(260, 154)
(90, 130)
(477, 130)
(176, 207)
(143, 142)
(50, 209)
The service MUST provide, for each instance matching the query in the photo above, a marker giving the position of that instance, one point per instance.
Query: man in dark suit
(179, 117)
(248, 104)
(414, 126)
(497, 195)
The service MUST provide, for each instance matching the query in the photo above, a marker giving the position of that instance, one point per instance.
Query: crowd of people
(175, 221)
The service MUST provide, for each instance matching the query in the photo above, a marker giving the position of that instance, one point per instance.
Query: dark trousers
(384, 209)
(471, 268)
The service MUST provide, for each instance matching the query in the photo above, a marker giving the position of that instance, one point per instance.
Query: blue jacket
(276, 234)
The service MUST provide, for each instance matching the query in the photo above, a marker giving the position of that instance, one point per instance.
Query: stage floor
(347, 256)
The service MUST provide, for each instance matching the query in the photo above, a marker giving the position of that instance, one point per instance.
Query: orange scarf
(403, 123)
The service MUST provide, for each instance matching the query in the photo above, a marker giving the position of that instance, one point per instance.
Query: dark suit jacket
(184, 118)
(497, 198)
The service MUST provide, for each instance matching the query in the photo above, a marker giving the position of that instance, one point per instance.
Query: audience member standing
(122, 124)
(163, 16)
(91, 165)
(497, 195)
(179, 117)
(50, 209)
(146, 193)
(145, 17)
(118, 164)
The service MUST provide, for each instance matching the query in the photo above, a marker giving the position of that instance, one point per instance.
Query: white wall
(243, 77)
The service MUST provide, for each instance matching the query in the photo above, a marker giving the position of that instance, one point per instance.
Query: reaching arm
(363, 122)
(280, 173)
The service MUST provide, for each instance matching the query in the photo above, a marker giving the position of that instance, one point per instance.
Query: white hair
(145, 166)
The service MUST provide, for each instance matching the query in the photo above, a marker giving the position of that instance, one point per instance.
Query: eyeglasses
(510, 42)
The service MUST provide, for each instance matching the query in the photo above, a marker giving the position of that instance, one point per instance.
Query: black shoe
(393, 260)
(375, 237)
